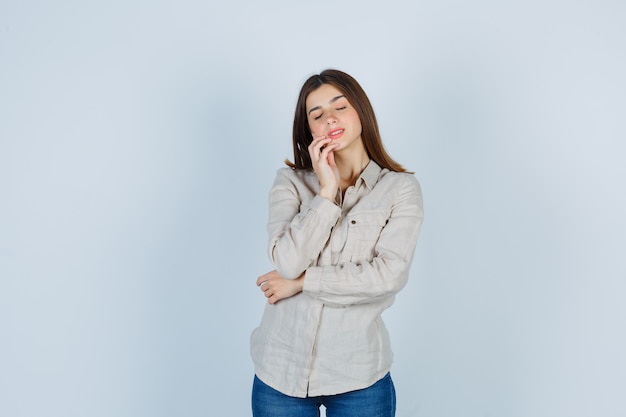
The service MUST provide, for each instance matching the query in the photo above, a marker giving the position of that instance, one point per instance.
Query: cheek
(356, 122)
(314, 127)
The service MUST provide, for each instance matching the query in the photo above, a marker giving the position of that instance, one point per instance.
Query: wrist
(328, 194)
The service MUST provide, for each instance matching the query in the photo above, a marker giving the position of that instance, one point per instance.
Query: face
(330, 114)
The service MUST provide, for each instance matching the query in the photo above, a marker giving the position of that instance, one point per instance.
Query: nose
(331, 120)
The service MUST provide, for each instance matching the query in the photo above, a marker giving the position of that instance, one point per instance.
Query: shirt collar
(370, 174)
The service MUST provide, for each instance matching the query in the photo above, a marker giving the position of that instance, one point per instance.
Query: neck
(351, 165)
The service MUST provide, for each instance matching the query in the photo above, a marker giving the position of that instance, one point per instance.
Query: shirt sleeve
(297, 231)
(351, 283)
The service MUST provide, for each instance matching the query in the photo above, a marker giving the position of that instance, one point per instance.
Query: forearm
(365, 276)
(356, 283)
(296, 245)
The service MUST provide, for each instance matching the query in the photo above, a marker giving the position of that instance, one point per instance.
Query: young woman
(343, 223)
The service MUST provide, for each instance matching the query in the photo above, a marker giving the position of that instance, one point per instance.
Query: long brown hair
(355, 95)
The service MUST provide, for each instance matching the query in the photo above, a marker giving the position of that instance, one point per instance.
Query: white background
(139, 139)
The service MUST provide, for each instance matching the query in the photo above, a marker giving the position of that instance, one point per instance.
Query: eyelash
(338, 108)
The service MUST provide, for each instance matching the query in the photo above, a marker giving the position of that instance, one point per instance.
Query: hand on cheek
(323, 162)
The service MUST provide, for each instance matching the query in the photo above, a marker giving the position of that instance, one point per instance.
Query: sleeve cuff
(312, 281)
(322, 205)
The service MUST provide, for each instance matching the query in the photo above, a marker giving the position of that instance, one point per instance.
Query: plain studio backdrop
(138, 142)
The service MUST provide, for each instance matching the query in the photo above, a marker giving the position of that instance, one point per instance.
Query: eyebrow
(330, 102)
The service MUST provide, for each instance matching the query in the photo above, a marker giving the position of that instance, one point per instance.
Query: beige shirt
(330, 338)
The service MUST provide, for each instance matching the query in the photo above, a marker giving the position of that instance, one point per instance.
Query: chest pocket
(364, 229)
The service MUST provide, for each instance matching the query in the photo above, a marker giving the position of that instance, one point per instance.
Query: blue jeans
(378, 400)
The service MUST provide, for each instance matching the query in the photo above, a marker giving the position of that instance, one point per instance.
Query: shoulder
(401, 181)
(288, 175)
(298, 181)
(402, 191)
(287, 172)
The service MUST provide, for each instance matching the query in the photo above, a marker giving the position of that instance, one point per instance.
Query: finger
(317, 138)
(328, 150)
(318, 143)
(260, 280)
(331, 158)
(319, 156)
(314, 142)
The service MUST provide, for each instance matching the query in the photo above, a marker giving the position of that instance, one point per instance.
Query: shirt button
(353, 222)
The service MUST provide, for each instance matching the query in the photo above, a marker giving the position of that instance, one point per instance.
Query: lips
(335, 134)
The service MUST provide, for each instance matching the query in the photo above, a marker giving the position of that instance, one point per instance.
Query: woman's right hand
(323, 160)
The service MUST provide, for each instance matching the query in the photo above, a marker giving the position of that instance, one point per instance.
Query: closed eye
(319, 117)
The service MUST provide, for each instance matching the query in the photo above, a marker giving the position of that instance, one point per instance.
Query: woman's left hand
(277, 288)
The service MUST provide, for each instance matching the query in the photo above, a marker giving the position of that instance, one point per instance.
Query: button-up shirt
(355, 254)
